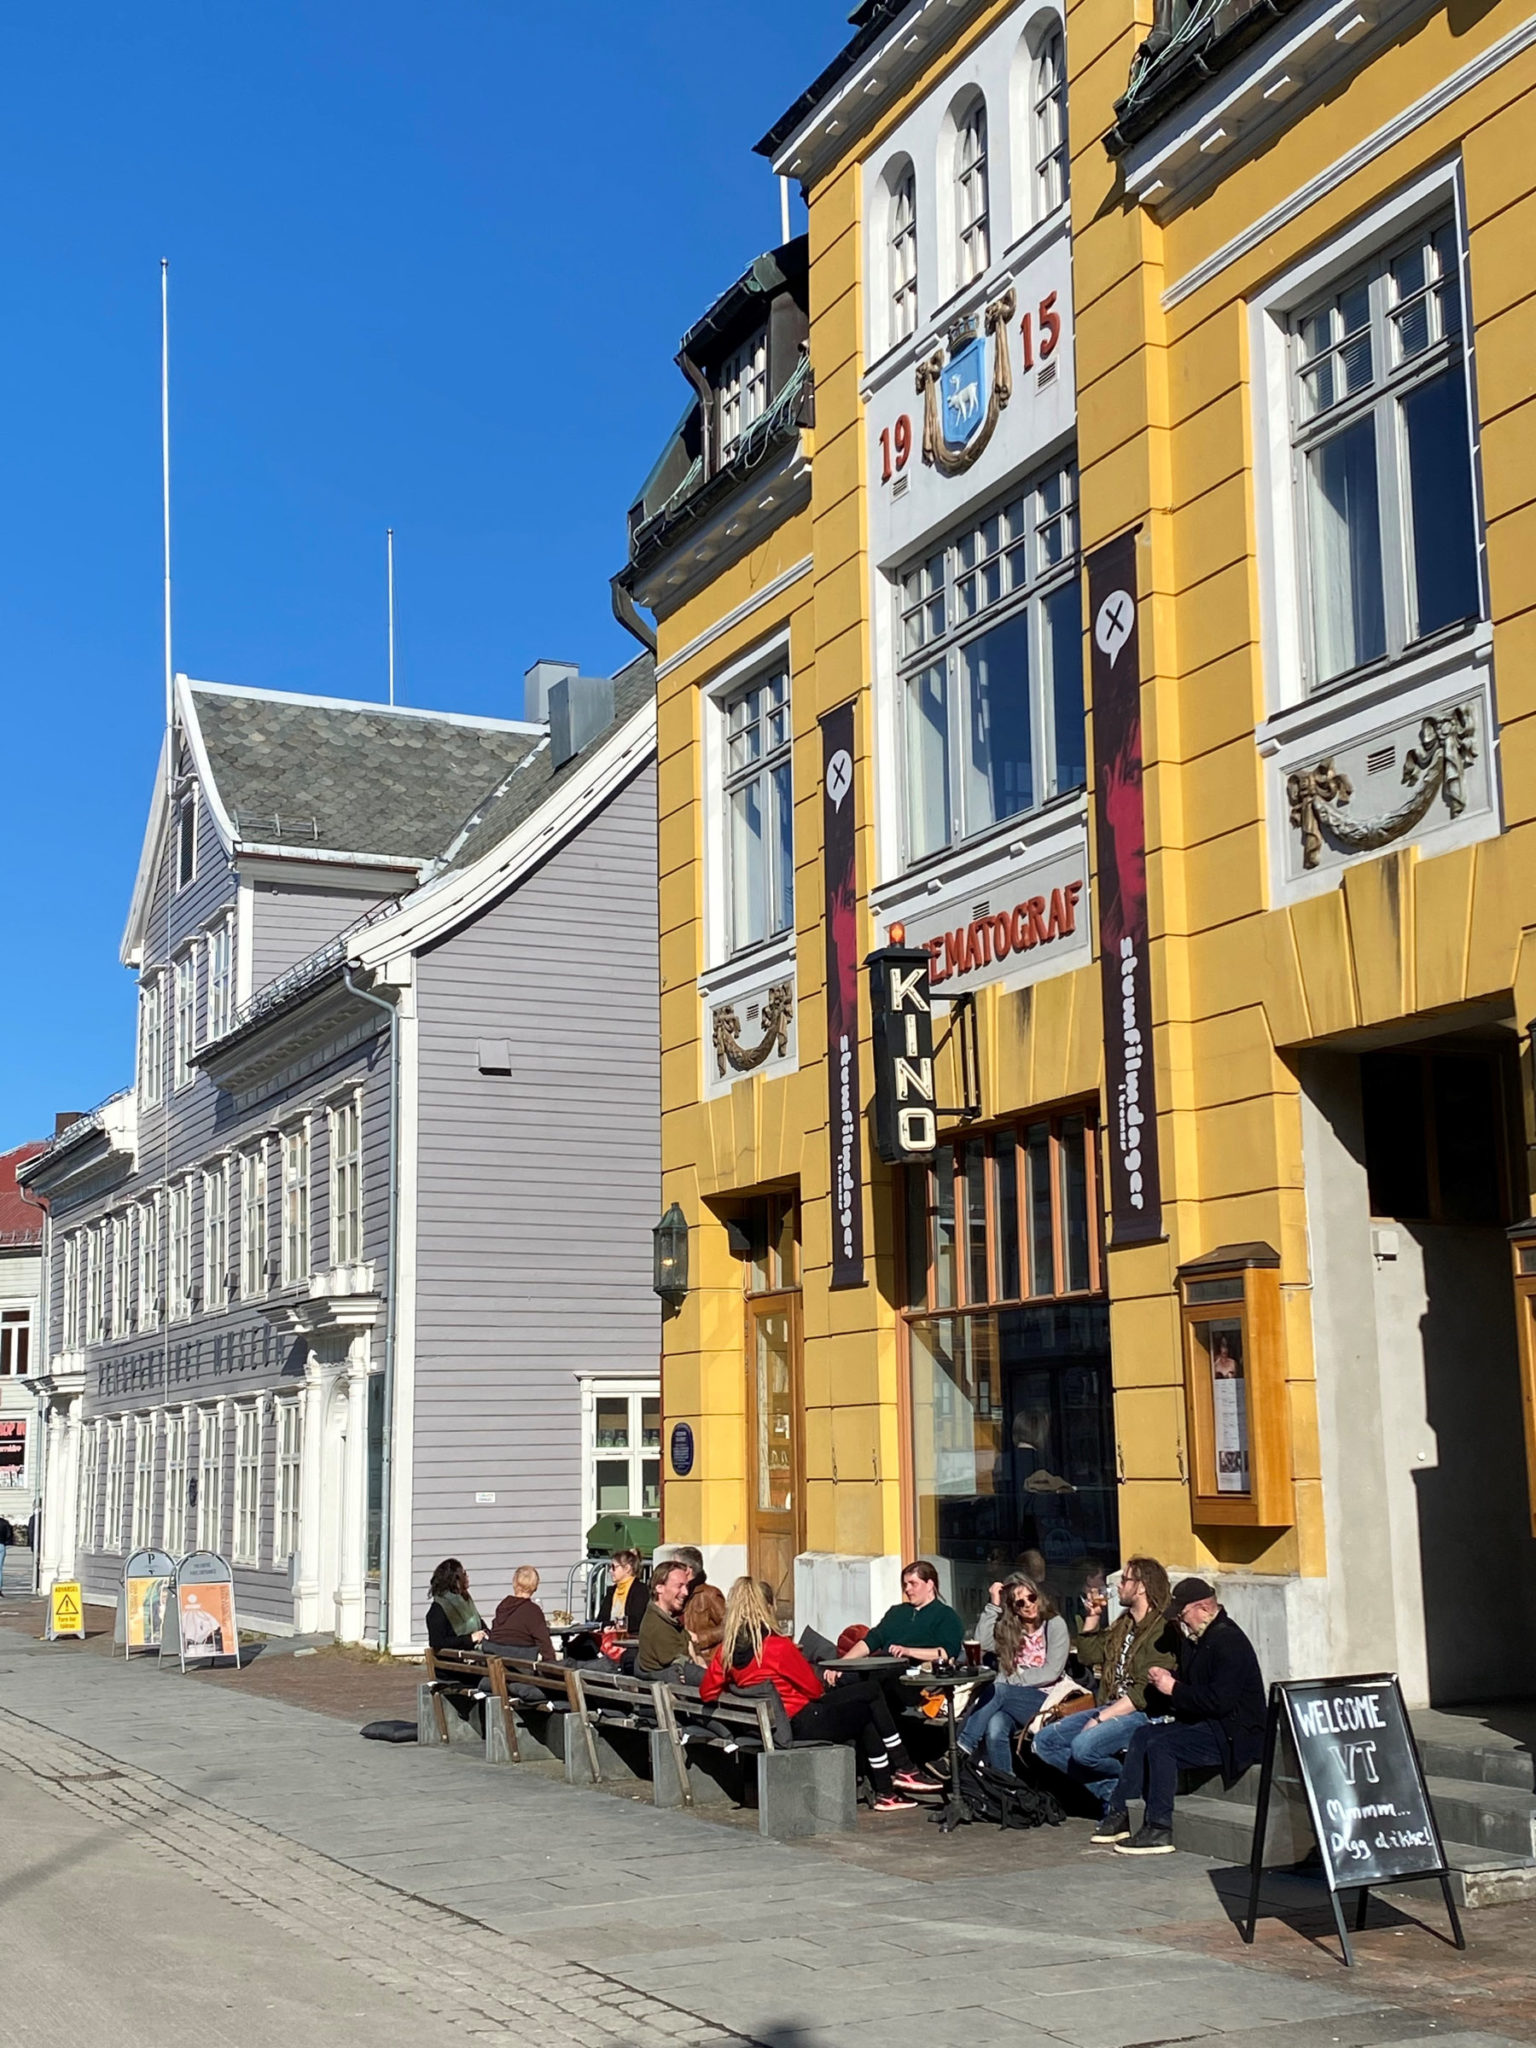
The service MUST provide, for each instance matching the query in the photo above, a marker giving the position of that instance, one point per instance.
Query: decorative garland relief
(1317, 795)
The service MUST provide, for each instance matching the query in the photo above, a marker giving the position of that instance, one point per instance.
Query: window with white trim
(147, 1306)
(186, 841)
(151, 1041)
(903, 257)
(346, 1119)
(216, 1237)
(759, 810)
(622, 1448)
(991, 668)
(296, 1204)
(143, 1481)
(1048, 122)
(71, 1292)
(173, 1513)
(15, 1343)
(743, 391)
(90, 1479)
(179, 1275)
(112, 1533)
(122, 1274)
(1382, 457)
(972, 242)
(247, 1482)
(96, 1283)
(253, 1223)
(290, 1452)
(210, 1477)
(220, 946)
(184, 1021)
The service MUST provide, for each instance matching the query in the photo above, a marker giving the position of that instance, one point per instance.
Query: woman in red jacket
(752, 1651)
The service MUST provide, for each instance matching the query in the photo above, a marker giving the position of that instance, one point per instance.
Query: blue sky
(429, 267)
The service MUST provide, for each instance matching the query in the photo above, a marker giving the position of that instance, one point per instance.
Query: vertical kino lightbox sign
(842, 924)
(901, 1026)
(1135, 1186)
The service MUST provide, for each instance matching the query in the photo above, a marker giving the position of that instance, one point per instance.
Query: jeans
(1154, 1760)
(1091, 1756)
(1006, 1708)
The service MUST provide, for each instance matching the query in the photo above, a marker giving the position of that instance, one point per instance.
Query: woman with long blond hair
(752, 1653)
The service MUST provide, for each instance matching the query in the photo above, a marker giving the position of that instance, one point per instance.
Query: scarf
(463, 1615)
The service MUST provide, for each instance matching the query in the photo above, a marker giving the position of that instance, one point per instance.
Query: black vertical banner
(842, 919)
(1135, 1185)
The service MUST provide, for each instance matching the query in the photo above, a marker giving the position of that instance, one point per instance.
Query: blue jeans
(1006, 1708)
(1091, 1756)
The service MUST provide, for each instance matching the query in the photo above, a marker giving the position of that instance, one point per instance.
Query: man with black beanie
(1217, 1703)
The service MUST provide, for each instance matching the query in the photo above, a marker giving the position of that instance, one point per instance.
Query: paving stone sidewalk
(510, 1904)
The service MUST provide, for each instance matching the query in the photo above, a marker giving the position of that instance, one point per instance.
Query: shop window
(623, 1449)
(1234, 1379)
(1436, 1136)
(15, 1342)
(13, 1450)
(1012, 1444)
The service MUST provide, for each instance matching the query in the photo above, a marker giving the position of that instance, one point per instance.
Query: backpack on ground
(1009, 1802)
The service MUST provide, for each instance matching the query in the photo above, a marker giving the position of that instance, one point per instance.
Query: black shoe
(1114, 1827)
(1148, 1840)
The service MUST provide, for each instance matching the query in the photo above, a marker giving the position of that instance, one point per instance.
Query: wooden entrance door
(775, 1479)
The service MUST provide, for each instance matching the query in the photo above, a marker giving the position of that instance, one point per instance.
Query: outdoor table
(949, 1682)
(875, 1662)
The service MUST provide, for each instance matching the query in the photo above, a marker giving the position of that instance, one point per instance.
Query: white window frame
(184, 1019)
(346, 1150)
(179, 1264)
(742, 391)
(901, 256)
(253, 1222)
(972, 200)
(70, 1290)
(87, 1498)
(219, 946)
(186, 816)
(638, 1454)
(1284, 621)
(1050, 149)
(173, 1506)
(147, 1265)
(210, 1465)
(143, 1481)
(295, 1157)
(96, 1284)
(288, 1432)
(246, 1543)
(768, 771)
(112, 1531)
(152, 1040)
(122, 1274)
(216, 1237)
(15, 1342)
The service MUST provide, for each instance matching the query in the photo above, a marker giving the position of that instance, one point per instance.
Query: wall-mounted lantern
(669, 1257)
(1234, 1386)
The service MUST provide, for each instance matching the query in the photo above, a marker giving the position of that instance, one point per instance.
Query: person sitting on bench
(453, 1619)
(625, 1597)
(1032, 1643)
(518, 1623)
(752, 1653)
(704, 1622)
(923, 1629)
(662, 1650)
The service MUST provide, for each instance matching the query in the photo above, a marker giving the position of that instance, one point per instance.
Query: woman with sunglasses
(1032, 1643)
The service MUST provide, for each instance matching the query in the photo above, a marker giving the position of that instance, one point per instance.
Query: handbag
(1065, 1697)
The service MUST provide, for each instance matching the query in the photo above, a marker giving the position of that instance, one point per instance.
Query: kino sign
(906, 1107)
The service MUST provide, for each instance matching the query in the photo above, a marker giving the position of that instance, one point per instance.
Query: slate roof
(350, 778)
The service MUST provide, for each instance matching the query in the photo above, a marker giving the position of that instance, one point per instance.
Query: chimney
(538, 681)
(580, 707)
(63, 1118)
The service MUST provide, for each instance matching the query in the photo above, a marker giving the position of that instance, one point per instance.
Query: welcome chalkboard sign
(1365, 1791)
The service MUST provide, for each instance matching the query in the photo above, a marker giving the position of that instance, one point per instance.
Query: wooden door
(775, 1479)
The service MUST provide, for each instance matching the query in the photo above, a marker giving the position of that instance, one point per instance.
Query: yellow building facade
(1201, 343)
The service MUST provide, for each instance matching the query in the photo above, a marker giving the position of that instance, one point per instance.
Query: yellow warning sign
(66, 1610)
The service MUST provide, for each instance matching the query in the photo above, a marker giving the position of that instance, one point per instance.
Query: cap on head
(1187, 1592)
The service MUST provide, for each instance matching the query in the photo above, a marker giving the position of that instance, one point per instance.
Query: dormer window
(904, 258)
(972, 251)
(743, 391)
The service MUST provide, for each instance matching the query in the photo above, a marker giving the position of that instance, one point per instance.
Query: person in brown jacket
(1088, 1747)
(518, 1623)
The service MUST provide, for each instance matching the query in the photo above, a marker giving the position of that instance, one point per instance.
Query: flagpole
(389, 550)
(165, 486)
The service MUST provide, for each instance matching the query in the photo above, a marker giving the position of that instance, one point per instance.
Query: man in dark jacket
(1217, 1704)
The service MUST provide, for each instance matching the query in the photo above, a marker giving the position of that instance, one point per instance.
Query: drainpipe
(387, 1462)
(627, 614)
(41, 1400)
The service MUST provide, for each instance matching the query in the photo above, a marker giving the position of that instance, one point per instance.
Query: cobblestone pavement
(506, 1902)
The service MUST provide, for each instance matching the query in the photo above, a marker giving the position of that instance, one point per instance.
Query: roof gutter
(627, 612)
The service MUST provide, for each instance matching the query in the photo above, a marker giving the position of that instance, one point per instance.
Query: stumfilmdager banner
(1135, 1186)
(842, 918)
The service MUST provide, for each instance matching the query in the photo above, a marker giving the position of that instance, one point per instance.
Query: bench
(483, 1676)
(810, 1788)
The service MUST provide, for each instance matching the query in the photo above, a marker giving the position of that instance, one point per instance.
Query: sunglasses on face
(1027, 1600)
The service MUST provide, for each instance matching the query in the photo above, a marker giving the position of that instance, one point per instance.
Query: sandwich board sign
(142, 1599)
(199, 1625)
(66, 1611)
(1364, 1784)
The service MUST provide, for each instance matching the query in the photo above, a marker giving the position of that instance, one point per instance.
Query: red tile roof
(18, 1218)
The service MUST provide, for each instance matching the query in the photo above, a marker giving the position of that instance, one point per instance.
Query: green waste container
(623, 1532)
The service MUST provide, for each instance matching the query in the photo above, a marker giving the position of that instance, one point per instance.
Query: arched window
(903, 257)
(1048, 123)
(972, 254)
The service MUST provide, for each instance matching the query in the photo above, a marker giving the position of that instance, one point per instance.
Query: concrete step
(1466, 1746)
(1489, 1816)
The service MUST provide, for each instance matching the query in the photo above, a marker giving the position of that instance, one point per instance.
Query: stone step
(1493, 1760)
(1489, 1816)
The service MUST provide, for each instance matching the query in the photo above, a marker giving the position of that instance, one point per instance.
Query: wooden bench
(485, 1677)
(806, 1788)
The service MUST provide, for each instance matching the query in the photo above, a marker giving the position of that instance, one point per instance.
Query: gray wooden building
(356, 1275)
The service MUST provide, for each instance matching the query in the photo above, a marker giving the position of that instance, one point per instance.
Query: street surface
(189, 1861)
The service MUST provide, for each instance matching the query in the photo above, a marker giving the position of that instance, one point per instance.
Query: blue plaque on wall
(682, 1449)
